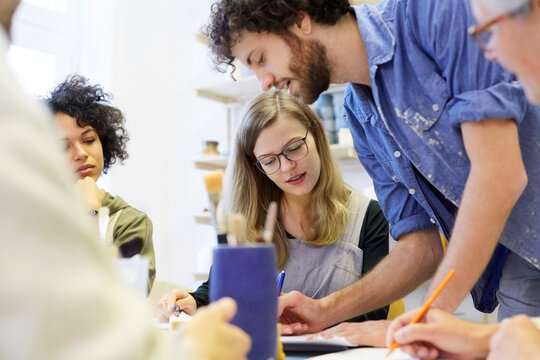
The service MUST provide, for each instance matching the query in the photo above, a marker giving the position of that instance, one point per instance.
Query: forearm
(496, 180)
(409, 264)
(479, 224)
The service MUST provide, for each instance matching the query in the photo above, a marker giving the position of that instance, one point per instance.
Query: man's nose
(266, 79)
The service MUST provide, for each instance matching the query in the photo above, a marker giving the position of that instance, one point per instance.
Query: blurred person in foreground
(61, 296)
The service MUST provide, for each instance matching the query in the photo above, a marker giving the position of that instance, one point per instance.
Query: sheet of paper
(301, 343)
(365, 354)
(160, 325)
(302, 339)
(174, 321)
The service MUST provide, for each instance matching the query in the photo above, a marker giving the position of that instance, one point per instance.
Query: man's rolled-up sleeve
(505, 100)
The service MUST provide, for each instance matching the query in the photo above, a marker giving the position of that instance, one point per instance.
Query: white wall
(156, 65)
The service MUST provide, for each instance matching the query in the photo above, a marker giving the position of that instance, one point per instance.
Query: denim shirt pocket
(362, 107)
(425, 107)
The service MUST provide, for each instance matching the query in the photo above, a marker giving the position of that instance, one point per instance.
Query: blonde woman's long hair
(252, 191)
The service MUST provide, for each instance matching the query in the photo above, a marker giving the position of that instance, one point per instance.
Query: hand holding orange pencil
(426, 306)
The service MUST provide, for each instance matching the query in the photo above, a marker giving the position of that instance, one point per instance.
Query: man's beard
(309, 63)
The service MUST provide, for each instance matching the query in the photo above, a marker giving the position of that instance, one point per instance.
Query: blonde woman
(327, 234)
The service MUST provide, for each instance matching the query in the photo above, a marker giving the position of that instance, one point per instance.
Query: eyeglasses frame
(257, 163)
(475, 31)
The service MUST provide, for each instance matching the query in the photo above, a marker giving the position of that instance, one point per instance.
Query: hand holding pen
(175, 302)
(421, 312)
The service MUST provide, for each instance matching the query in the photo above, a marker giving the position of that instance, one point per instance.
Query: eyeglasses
(296, 150)
(482, 34)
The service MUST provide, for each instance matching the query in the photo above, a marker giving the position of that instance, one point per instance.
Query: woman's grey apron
(317, 271)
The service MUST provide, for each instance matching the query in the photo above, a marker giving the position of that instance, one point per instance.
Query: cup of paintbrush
(246, 271)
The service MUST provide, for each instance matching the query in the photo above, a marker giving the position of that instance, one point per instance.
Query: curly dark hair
(89, 105)
(230, 17)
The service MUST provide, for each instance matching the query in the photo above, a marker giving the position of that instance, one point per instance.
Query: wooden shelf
(342, 152)
(336, 88)
(211, 162)
(203, 218)
(232, 91)
(345, 155)
(200, 276)
(244, 89)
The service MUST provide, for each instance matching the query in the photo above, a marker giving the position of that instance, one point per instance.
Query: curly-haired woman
(95, 138)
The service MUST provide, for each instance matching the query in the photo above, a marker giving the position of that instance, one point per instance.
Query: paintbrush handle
(270, 222)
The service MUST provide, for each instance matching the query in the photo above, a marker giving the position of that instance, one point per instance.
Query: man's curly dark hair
(89, 105)
(230, 17)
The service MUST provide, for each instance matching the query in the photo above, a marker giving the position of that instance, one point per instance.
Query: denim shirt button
(435, 107)
(412, 191)
(432, 221)
(394, 177)
(397, 154)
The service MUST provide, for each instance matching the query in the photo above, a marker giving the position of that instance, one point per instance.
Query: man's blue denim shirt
(427, 77)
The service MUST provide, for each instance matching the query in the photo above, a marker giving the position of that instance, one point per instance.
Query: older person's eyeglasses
(294, 151)
(482, 34)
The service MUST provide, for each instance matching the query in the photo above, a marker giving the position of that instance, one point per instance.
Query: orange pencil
(426, 306)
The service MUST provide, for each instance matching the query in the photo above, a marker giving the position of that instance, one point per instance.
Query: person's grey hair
(500, 7)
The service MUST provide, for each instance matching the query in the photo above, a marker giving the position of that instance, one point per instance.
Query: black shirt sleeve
(374, 236)
(201, 294)
(374, 242)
